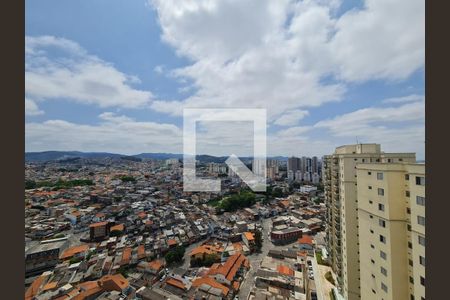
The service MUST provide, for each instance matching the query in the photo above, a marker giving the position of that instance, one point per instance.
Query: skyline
(117, 80)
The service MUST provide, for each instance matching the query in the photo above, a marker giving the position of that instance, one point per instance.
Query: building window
(371, 231)
(372, 261)
(380, 176)
(380, 191)
(369, 173)
(383, 271)
(409, 245)
(408, 210)
(406, 176)
(383, 255)
(408, 227)
(382, 223)
(422, 280)
(407, 194)
(389, 160)
(411, 280)
(370, 216)
(370, 187)
(384, 287)
(370, 201)
(421, 220)
(411, 262)
(380, 206)
(412, 297)
(422, 260)
(422, 240)
(372, 246)
(400, 159)
(420, 200)
(382, 239)
(420, 180)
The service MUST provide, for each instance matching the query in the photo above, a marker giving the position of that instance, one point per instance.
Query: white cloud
(404, 99)
(291, 118)
(31, 108)
(114, 133)
(278, 54)
(294, 132)
(357, 121)
(385, 40)
(57, 68)
(159, 69)
(399, 129)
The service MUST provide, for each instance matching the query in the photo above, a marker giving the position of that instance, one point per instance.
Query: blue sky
(115, 75)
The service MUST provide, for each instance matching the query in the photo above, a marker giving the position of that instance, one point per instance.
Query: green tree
(30, 184)
(237, 201)
(128, 179)
(175, 255)
(115, 233)
(74, 260)
(277, 192)
(258, 240)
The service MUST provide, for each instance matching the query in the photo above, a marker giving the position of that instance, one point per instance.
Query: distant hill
(159, 155)
(63, 155)
(70, 155)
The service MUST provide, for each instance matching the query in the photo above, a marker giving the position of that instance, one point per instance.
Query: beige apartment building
(340, 182)
(391, 212)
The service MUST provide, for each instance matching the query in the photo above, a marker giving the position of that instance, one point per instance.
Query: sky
(115, 75)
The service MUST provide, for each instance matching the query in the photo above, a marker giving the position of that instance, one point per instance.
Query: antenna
(357, 142)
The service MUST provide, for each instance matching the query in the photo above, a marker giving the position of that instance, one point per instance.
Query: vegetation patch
(329, 277)
(237, 201)
(60, 184)
(175, 255)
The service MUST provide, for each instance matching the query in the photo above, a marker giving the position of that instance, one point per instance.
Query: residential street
(255, 261)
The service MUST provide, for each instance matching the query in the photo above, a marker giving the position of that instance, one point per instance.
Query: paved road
(255, 261)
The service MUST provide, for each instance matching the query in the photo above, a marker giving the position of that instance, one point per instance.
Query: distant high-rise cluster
(304, 169)
(375, 217)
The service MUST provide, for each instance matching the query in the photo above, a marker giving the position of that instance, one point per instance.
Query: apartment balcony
(337, 236)
(337, 224)
(336, 205)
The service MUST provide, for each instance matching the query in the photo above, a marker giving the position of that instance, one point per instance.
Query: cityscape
(224, 150)
(349, 225)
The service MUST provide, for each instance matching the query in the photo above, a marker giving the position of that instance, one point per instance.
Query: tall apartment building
(391, 212)
(259, 166)
(339, 177)
(293, 164)
(314, 165)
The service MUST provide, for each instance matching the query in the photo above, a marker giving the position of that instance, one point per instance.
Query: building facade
(340, 186)
(391, 213)
(293, 164)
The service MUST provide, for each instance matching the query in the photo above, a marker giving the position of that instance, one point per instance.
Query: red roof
(176, 283)
(99, 224)
(249, 236)
(285, 270)
(306, 239)
(211, 282)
